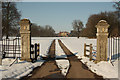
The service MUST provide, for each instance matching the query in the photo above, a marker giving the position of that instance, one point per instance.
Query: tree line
(11, 17)
(10, 23)
(39, 31)
(113, 19)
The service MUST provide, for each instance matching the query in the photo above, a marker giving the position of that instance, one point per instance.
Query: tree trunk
(7, 27)
(78, 33)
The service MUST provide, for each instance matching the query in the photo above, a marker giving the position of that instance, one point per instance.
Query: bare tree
(50, 32)
(77, 26)
(110, 17)
(46, 31)
(10, 18)
(117, 6)
(0, 20)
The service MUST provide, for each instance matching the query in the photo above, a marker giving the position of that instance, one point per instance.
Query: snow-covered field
(106, 69)
(18, 69)
(23, 68)
(44, 42)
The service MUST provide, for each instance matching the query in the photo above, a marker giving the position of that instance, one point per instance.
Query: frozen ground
(106, 69)
(44, 42)
(62, 63)
(76, 45)
(23, 68)
(18, 69)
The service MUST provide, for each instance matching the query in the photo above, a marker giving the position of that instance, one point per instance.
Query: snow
(23, 68)
(18, 69)
(103, 68)
(44, 42)
(62, 63)
(59, 51)
(75, 45)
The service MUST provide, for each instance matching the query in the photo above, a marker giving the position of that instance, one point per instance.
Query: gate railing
(114, 48)
(90, 50)
(34, 51)
(11, 48)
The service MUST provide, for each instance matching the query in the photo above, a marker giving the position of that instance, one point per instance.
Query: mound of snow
(18, 69)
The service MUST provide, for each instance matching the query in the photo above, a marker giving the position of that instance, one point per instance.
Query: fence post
(0, 60)
(90, 52)
(84, 49)
(38, 46)
(36, 51)
(25, 31)
(0, 53)
(102, 40)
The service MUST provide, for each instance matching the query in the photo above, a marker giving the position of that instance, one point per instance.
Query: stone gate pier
(25, 31)
(102, 40)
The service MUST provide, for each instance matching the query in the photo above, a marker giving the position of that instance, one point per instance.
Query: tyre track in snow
(48, 70)
(61, 59)
(77, 69)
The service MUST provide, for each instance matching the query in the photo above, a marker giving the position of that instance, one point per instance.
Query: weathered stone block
(102, 42)
(25, 32)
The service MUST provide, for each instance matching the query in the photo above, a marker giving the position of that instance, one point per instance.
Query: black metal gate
(114, 48)
(11, 48)
(34, 51)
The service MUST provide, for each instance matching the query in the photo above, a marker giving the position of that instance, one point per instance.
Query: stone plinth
(25, 31)
(102, 40)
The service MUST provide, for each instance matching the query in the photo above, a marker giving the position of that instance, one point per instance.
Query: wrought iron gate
(11, 48)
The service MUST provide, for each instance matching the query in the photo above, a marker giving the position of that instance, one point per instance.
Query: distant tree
(117, 6)
(73, 33)
(35, 30)
(38, 31)
(85, 32)
(10, 18)
(110, 17)
(77, 26)
(49, 31)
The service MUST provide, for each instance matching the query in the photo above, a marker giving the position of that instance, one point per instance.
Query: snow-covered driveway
(76, 46)
(63, 64)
